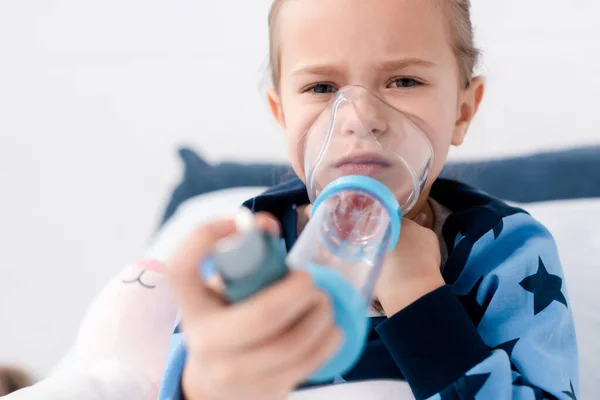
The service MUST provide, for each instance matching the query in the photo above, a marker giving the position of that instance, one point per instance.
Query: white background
(95, 97)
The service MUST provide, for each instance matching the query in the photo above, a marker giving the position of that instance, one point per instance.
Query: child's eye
(404, 83)
(322, 88)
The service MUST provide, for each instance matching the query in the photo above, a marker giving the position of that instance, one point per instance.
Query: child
(471, 301)
(472, 298)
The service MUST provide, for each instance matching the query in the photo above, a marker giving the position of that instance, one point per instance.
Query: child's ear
(471, 99)
(276, 108)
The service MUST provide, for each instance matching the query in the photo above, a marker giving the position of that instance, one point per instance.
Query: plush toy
(123, 342)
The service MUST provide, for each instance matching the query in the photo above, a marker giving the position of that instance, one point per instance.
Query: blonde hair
(459, 12)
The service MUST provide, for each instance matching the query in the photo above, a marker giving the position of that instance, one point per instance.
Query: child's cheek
(296, 131)
(295, 149)
(439, 123)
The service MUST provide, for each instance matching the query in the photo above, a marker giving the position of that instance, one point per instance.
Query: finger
(302, 336)
(312, 360)
(267, 314)
(253, 364)
(421, 219)
(268, 223)
(307, 211)
(184, 265)
(216, 283)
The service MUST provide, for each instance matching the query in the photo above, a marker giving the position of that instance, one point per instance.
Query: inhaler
(366, 164)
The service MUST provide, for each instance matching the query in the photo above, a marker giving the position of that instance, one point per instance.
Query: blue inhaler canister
(249, 261)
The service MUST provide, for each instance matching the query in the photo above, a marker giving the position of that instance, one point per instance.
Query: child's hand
(258, 349)
(412, 269)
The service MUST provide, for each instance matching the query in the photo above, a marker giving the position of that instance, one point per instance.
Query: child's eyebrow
(384, 66)
(317, 69)
(398, 64)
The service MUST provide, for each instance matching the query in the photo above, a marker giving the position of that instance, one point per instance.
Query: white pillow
(570, 222)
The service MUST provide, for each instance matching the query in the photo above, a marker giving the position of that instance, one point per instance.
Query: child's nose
(362, 117)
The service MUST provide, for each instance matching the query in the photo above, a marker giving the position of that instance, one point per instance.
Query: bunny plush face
(131, 321)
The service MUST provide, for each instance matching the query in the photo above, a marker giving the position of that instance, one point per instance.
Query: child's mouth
(366, 164)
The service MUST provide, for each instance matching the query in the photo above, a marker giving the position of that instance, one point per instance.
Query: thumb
(183, 267)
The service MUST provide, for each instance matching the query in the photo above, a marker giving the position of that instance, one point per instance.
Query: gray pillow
(561, 175)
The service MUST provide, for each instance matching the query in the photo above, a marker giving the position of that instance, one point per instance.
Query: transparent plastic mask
(359, 133)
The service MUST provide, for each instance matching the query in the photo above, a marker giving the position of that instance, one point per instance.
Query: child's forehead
(334, 27)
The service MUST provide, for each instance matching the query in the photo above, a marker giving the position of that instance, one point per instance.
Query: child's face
(399, 49)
